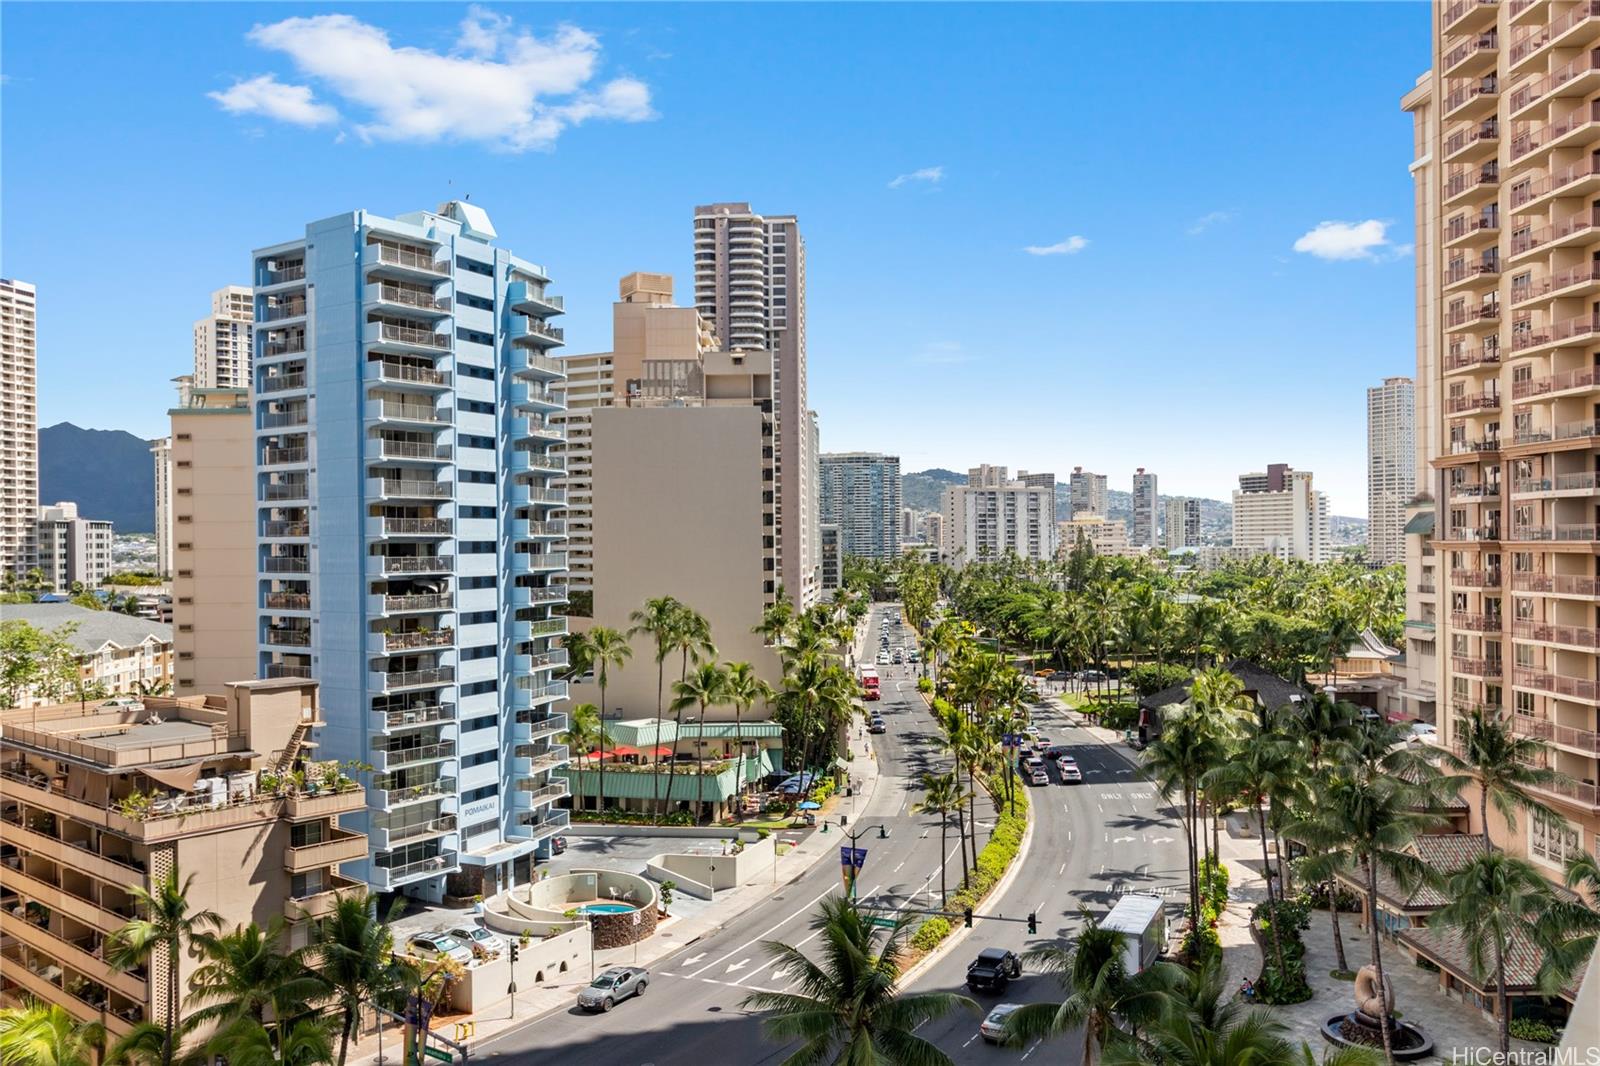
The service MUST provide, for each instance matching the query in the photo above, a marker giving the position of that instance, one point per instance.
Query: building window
(472, 725)
(486, 792)
(472, 266)
(477, 618)
(472, 654)
(481, 758)
(480, 582)
(479, 688)
(1551, 839)
(477, 407)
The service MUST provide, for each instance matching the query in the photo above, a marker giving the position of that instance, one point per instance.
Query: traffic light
(1033, 924)
(514, 952)
(966, 916)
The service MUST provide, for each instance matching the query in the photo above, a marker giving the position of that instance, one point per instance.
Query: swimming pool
(606, 908)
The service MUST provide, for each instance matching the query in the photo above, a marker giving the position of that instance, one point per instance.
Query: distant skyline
(1106, 236)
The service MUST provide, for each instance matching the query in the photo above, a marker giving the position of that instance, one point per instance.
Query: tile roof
(95, 629)
(1445, 946)
(1270, 690)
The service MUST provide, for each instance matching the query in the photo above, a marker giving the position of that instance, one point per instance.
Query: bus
(869, 683)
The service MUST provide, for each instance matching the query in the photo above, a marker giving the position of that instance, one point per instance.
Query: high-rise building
(1144, 509)
(750, 284)
(19, 427)
(1506, 389)
(860, 493)
(1279, 513)
(933, 528)
(1107, 536)
(222, 340)
(405, 556)
(832, 559)
(1181, 527)
(1088, 492)
(1391, 467)
(161, 461)
(72, 549)
(213, 521)
(991, 516)
(908, 524)
(97, 803)
(646, 326)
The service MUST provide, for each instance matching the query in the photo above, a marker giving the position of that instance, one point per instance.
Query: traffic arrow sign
(1122, 840)
(1161, 840)
(695, 959)
(741, 964)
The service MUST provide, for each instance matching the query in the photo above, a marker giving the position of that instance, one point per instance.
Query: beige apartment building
(96, 801)
(118, 654)
(993, 515)
(1507, 180)
(222, 343)
(750, 284)
(19, 427)
(1278, 512)
(1107, 536)
(161, 462)
(214, 584)
(1088, 492)
(645, 325)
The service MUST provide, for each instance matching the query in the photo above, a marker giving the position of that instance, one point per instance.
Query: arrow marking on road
(1161, 840)
(741, 964)
(697, 958)
(1123, 840)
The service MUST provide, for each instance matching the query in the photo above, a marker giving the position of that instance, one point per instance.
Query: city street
(1091, 842)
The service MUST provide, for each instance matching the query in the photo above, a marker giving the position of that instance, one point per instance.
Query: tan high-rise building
(1507, 140)
(645, 325)
(222, 340)
(750, 284)
(19, 428)
(1144, 508)
(1088, 492)
(94, 803)
(1391, 467)
(1277, 512)
(161, 462)
(213, 529)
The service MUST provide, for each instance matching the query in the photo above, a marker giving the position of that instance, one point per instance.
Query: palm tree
(607, 648)
(1175, 761)
(942, 795)
(847, 1009)
(167, 926)
(776, 618)
(358, 961)
(744, 689)
(246, 1042)
(1503, 764)
(245, 974)
(957, 740)
(1364, 821)
(659, 617)
(46, 1034)
(1102, 997)
(1496, 904)
(705, 688)
(582, 734)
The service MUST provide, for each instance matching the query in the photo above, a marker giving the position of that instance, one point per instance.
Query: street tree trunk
(1377, 959)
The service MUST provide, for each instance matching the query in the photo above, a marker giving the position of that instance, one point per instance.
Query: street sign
(882, 923)
(435, 1053)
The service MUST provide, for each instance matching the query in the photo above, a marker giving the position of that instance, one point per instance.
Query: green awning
(1421, 523)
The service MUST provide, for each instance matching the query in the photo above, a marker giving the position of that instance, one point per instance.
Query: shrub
(1292, 916)
(1119, 715)
(924, 685)
(1150, 678)
(931, 934)
(1538, 1032)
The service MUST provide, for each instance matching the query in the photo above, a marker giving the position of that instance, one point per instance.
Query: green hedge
(994, 858)
(1292, 916)
(930, 933)
(616, 817)
(1537, 1032)
(924, 684)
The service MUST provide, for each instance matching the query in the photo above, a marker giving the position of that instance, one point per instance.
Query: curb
(962, 932)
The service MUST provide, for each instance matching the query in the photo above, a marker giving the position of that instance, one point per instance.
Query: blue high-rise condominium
(406, 557)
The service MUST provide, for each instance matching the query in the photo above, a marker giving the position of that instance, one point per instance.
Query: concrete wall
(719, 871)
(677, 512)
(560, 959)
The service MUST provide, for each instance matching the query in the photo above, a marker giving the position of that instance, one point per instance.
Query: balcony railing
(402, 257)
(1472, 533)
(286, 529)
(416, 564)
(1478, 623)
(396, 294)
(417, 526)
(290, 564)
(389, 370)
(387, 797)
(1479, 579)
(1572, 328)
(1460, 227)
(1483, 42)
(432, 827)
(288, 601)
(282, 382)
(1531, 40)
(411, 449)
(544, 793)
(1542, 87)
(1561, 279)
(428, 601)
(1462, 664)
(289, 638)
(1461, 271)
(286, 670)
(431, 490)
(1475, 490)
(1559, 532)
(412, 639)
(1583, 482)
(438, 675)
(1461, 316)
(421, 337)
(291, 309)
(418, 715)
(1481, 401)
(1480, 356)
(407, 756)
(1466, 178)
(1576, 687)
(287, 272)
(1568, 736)
(410, 412)
(1570, 226)
(1555, 633)
(283, 419)
(289, 490)
(275, 456)
(1564, 584)
(1562, 431)
(289, 346)
(1558, 382)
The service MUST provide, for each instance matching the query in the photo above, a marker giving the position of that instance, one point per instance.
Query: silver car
(613, 986)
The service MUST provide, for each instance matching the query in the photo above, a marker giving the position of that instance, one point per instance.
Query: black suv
(993, 969)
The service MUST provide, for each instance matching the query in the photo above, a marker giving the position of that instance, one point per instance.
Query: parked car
(439, 946)
(558, 845)
(123, 703)
(993, 970)
(613, 986)
(478, 939)
(993, 1026)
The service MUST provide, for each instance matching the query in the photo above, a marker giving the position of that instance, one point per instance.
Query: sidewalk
(532, 1003)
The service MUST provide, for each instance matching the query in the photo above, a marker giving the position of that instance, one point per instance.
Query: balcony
(416, 639)
(343, 846)
(416, 564)
(1475, 579)
(284, 274)
(555, 690)
(410, 451)
(283, 419)
(523, 495)
(543, 368)
(287, 670)
(407, 261)
(1575, 229)
(1584, 740)
(1465, 358)
(287, 638)
(281, 382)
(527, 795)
(532, 396)
(400, 680)
(1464, 15)
(288, 309)
(540, 561)
(530, 663)
(1560, 433)
(1557, 584)
(413, 755)
(1563, 381)
(523, 596)
(531, 331)
(1461, 229)
(527, 629)
(277, 528)
(439, 787)
(537, 428)
(400, 488)
(413, 299)
(1459, 272)
(529, 298)
(398, 411)
(1573, 281)
(1476, 667)
(1469, 534)
(388, 878)
(1580, 484)
(1469, 317)
(392, 372)
(295, 345)
(527, 461)
(1574, 79)
(386, 838)
(413, 716)
(1477, 623)
(285, 564)
(1577, 687)
(386, 526)
(405, 604)
(529, 529)
(1482, 401)
(1554, 633)
(1533, 41)
(1582, 793)
(395, 336)
(1472, 491)
(1560, 532)
(283, 456)
(302, 806)
(542, 823)
(1465, 182)
(321, 904)
(287, 601)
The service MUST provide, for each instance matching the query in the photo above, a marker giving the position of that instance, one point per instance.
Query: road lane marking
(763, 935)
(1062, 870)
(1034, 1048)
(970, 1039)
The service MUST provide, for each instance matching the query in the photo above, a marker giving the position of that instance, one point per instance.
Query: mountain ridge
(108, 473)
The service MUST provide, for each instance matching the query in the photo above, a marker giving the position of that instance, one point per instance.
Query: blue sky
(1091, 258)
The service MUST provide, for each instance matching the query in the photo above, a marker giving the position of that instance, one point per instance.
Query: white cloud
(1070, 246)
(1350, 240)
(500, 85)
(930, 175)
(268, 96)
(1208, 220)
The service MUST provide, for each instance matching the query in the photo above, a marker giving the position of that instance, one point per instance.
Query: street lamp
(883, 834)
